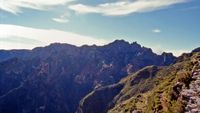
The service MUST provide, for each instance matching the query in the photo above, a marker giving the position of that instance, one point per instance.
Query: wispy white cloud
(125, 7)
(19, 37)
(62, 19)
(15, 6)
(156, 31)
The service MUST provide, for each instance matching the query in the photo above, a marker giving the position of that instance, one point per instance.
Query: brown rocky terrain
(191, 94)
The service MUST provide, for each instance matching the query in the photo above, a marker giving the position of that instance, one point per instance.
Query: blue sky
(163, 25)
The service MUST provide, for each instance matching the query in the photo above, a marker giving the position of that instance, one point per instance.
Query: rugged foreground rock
(191, 95)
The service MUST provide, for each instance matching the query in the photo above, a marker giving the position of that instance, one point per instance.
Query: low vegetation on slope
(151, 89)
(106, 97)
(165, 97)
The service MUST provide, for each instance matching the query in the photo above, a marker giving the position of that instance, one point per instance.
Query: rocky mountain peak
(196, 50)
(120, 42)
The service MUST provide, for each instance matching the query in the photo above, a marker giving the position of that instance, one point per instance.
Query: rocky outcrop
(196, 50)
(191, 95)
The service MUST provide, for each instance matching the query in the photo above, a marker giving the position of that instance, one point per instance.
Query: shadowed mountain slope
(55, 78)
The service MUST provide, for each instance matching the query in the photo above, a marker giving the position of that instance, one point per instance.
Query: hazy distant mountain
(55, 78)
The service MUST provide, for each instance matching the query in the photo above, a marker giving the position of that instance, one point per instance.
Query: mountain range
(118, 77)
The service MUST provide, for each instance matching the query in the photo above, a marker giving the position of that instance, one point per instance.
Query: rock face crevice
(191, 95)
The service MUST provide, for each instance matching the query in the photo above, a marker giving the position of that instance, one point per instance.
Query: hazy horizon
(170, 25)
(104, 44)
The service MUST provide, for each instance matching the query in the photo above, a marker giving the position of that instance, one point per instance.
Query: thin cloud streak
(156, 31)
(16, 6)
(62, 19)
(125, 7)
(44, 36)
